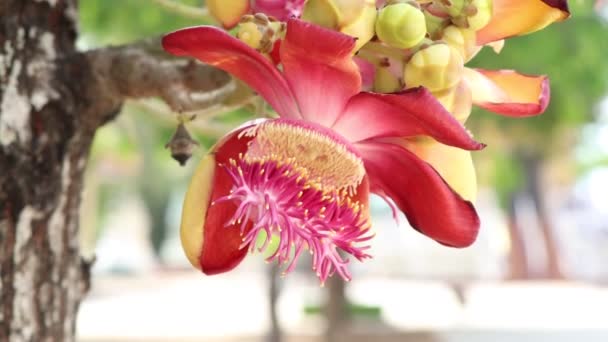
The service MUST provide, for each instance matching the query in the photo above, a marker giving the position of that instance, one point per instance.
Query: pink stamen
(276, 199)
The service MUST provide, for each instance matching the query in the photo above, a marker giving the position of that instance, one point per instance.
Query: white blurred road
(184, 306)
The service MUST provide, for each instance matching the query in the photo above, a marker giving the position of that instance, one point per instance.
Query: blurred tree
(573, 55)
(53, 99)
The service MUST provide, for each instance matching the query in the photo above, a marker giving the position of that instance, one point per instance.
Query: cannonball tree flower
(306, 176)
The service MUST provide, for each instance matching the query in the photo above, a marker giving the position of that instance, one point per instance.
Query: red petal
(219, 251)
(405, 114)
(216, 47)
(319, 67)
(508, 92)
(517, 17)
(429, 204)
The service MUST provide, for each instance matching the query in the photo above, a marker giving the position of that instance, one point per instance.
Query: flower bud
(482, 14)
(228, 12)
(353, 17)
(249, 34)
(437, 67)
(401, 25)
(462, 39)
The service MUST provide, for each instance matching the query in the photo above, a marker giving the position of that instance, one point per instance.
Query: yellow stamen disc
(323, 159)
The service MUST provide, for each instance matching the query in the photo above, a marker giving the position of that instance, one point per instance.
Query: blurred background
(539, 270)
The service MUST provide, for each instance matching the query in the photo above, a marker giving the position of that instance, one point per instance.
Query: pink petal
(319, 67)
(429, 204)
(508, 92)
(405, 114)
(280, 9)
(367, 71)
(216, 47)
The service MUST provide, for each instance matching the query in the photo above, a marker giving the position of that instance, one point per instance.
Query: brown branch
(142, 70)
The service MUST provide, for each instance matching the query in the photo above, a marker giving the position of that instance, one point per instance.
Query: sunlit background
(538, 271)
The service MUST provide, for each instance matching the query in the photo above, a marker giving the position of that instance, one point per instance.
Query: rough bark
(53, 98)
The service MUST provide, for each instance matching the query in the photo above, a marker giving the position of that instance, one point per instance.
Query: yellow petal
(195, 208)
(457, 100)
(363, 27)
(517, 17)
(455, 165)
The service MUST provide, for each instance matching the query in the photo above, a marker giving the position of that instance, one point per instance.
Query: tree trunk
(275, 334)
(52, 100)
(44, 144)
(336, 309)
(532, 165)
(518, 258)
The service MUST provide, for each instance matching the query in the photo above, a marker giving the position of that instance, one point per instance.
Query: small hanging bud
(181, 144)
(437, 67)
(401, 25)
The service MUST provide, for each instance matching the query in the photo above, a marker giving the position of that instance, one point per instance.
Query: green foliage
(106, 22)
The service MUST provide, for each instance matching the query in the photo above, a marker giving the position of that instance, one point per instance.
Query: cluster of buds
(425, 43)
(260, 31)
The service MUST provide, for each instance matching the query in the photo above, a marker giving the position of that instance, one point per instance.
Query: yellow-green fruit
(437, 67)
(249, 34)
(482, 16)
(401, 25)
